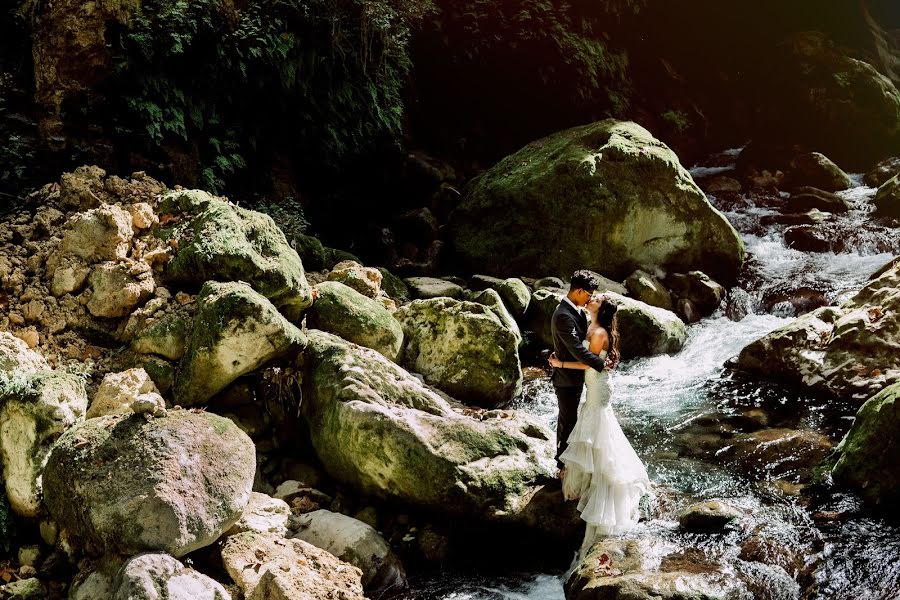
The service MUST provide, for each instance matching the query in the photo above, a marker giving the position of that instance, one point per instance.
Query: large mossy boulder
(513, 291)
(344, 311)
(128, 484)
(887, 199)
(492, 299)
(219, 241)
(847, 351)
(868, 458)
(236, 331)
(606, 196)
(462, 348)
(379, 430)
(646, 330)
(817, 170)
(35, 409)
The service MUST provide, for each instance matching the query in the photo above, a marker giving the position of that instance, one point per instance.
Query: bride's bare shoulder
(599, 340)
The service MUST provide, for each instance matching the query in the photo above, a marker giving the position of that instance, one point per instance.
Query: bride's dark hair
(606, 318)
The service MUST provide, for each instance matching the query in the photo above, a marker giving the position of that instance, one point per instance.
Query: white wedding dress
(602, 469)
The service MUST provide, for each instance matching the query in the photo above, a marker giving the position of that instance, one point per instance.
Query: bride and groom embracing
(598, 466)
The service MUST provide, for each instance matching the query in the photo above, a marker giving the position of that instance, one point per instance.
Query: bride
(601, 470)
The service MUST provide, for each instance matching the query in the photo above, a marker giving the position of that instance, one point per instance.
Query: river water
(676, 410)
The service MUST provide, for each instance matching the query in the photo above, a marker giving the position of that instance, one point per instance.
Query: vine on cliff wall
(318, 79)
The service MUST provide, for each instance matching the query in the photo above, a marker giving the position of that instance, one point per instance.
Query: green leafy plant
(677, 119)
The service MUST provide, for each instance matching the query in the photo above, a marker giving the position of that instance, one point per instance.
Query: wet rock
(699, 288)
(377, 429)
(35, 409)
(638, 206)
(887, 199)
(119, 287)
(813, 217)
(688, 311)
(514, 292)
(269, 568)
(365, 280)
(710, 515)
(356, 318)
(774, 552)
(847, 351)
(648, 289)
(619, 568)
(801, 301)
(867, 458)
(818, 171)
(263, 514)
(236, 331)
(118, 392)
(463, 348)
(806, 199)
(357, 543)
(425, 288)
(222, 242)
(778, 453)
(721, 183)
(808, 238)
(128, 484)
(880, 173)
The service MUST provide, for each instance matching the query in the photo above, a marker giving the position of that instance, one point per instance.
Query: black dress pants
(567, 398)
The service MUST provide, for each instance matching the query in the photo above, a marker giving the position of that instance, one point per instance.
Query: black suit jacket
(568, 328)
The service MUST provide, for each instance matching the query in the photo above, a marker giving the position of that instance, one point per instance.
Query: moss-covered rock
(424, 288)
(704, 293)
(847, 351)
(128, 484)
(356, 318)
(35, 409)
(887, 199)
(817, 170)
(648, 289)
(646, 330)
(236, 331)
(463, 348)
(884, 170)
(311, 252)
(394, 287)
(606, 196)
(514, 292)
(868, 458)
(540, 312)
(222, 242)
(378, 429)
(167, 337)
(492, 299)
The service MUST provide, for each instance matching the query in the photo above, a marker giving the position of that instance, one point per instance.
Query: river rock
(817, 170)
(813, 217)
(35, 409)
(222, 242)
(266, 567)
(806, 238)
(847, 351)
(463, 348)
(721, 183)
(491, 299)
(263, 514)
(623, 568)
(868, 457)
(881, 172)
(365, 280)
(703, 292)
(646, 330)
(514, 292)
(636, 208)
(378, 429)
(709, 515)
(236, 331)
(123, 483)
(648, 289)
(119, 287)
(887, 199)
(118, 392)
(778, 453)
(806, 199)
(425, 288)
(687, 310)
(153, 576)
(356, 318)
(356, 543)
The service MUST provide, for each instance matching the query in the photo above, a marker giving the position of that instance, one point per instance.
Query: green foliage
(320, 79)
(677, 119)
(288, 214)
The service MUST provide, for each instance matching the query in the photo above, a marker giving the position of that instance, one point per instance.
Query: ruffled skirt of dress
(602, 469)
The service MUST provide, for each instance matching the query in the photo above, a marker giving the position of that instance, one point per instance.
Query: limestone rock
(156, 575)
(167, 337)
(119, 287)
(463, 348)
(222, 242)
(365, 280)
(637, 208)
(119, 391)
(35, 409)
(357, 543)
(269, 568)
(16, 356)
(100, 234)
(548, 282)
(236, 331)
(429, 287)
(540, 312)
(377, 428)
(69, 276)
(513, 291)
(142, 215)
(263, 514)
(356, 318)
(491, 299)
(126, 484)
(648, 289)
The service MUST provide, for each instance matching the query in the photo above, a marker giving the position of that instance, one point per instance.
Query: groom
(568, 329)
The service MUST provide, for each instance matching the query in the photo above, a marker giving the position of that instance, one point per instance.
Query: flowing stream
(676, 409)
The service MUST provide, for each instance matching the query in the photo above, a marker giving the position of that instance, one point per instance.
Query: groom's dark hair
(585, 280)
